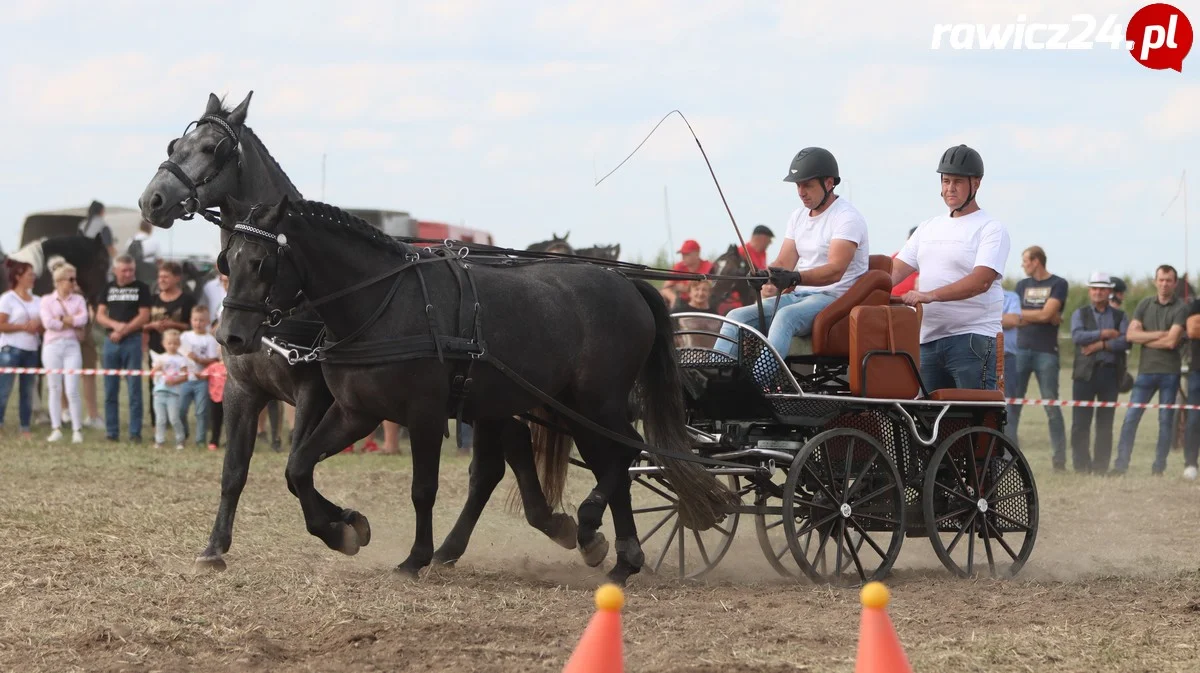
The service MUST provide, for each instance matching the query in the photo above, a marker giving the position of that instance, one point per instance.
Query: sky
(502, 116)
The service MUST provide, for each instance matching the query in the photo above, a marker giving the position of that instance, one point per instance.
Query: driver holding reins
(826, 245)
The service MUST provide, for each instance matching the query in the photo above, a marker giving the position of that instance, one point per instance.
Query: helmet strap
(823, 198)
(970, 197)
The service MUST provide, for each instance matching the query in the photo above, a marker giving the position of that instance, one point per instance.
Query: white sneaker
(55, 436)
(179, 447)
(1189, 472)
(77, 437)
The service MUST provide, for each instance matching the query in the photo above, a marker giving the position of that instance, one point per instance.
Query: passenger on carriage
(675, 292)
(826, 243)
(961, 257)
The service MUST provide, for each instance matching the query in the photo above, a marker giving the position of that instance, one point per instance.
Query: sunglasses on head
(69, 280)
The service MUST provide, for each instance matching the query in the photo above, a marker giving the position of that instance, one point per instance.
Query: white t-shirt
(214, 295)
(813, 235)
(945, 250)
(20, 311)
(203, 345)
(151, 246)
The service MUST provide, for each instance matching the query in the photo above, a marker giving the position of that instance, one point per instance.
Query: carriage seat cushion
(967, 395)
(831, 328)
(882, 341)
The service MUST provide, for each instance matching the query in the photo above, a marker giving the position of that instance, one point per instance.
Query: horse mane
(249, 135)
(337, 221)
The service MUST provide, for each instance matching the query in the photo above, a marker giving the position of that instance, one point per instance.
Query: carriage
(844, 454)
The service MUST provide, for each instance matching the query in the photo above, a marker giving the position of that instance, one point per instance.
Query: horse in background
(729, 294)
(88, 256)
(555, 245)
(608, 252)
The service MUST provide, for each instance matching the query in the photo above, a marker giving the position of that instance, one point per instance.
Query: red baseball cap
(689, 246)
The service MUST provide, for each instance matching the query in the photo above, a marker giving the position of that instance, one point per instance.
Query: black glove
(784, 279)
(760, 278)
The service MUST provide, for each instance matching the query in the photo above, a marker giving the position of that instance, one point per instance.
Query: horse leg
(613, 489)
(338, 528)
(243, 404)
(592, 544)
(518, 452)
(487, 469)
(425, 429)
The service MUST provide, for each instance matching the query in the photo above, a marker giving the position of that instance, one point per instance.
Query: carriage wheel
(843, 508)
(980, 503)
(670, 547)
(772, 537)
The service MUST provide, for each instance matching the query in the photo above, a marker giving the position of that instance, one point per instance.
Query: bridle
(268, 269)
(191, 204)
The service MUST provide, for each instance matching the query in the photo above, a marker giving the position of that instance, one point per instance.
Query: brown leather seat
(885, 352)
(831, 328)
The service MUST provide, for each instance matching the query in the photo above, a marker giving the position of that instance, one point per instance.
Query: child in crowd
(201, 350)
(170, 372)
(215, 375)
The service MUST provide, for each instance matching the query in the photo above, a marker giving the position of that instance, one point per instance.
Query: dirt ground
(99, 577)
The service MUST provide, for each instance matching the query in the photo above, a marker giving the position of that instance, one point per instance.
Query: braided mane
(249, 132)
(337, 221)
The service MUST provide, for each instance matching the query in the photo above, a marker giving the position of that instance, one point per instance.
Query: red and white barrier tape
(85, 372)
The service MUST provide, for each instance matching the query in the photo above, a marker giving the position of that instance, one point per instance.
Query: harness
(191, 204)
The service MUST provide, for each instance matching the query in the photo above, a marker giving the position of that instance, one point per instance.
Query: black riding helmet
(962, 160)
(814, 162)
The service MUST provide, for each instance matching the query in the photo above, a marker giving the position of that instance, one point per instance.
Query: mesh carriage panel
(847, 461)
(704, 357)
(1013, 499)
(760, 363)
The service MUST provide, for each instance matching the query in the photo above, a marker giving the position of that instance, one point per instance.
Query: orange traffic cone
(601, 649)
(879, 650)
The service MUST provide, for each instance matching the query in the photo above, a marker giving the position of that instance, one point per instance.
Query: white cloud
(366, 139)
(513, 104)
(1178, 116)
(462, 137)
(877, 96)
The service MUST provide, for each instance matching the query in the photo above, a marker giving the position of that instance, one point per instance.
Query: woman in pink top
(64, 316)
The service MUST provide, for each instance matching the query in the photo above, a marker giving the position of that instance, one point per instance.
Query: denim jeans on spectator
(959, 361)
(1191, 439)
(1045, 366)
(18, 357)
(1010, 391)
(465, 437)
(124, 355)
(166, 408)
(194, 390)
(794, 316)
(1144, 387)
(1101, 387)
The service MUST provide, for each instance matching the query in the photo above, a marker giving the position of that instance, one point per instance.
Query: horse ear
(566, 235)
(276, 213)
(214, 104)
(238, 116)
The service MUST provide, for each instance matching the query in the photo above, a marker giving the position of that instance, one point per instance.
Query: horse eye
(209, 149)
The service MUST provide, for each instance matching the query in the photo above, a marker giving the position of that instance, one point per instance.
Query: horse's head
(730, 263)
(202, 166)
(555, 244)
(263, 282)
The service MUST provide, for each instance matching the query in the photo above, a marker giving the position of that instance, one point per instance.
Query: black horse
(88, 256)
(731, 263)
(608, 252)
(481, 341)
(222, 158)
(555, 244)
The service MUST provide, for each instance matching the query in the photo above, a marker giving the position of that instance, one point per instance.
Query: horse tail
(703, 500)
(551, 457)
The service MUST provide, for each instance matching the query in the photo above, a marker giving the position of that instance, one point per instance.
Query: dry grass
(101, 538)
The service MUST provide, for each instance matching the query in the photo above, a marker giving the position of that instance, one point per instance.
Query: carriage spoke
(880, 519)
(987, 545)
(813, 526)
(839, 526)
(849, 466)
(670, 541)
(814, 503)
(966, 524)
(862, 575)
(1010, 496)
(862, 475)
(869, 540)
(659, 508)
(700, 546)
(717, 526)
(874, 494)
(951, 491)
(656, 489)
(954, 514)
(821, 482)
(999, 479)
(656, 527)
(1023, 527)
(999, 538)
(971, 546)
(682, 562)
(987, 460)
(773, 525)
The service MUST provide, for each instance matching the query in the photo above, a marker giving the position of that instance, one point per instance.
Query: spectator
(909, 283)
(20, 324)
(1158, 324)
(674, 291)
(1098, 331)
(144, 247)
(214, 296)
(170, 372)
(756, 247)
(699, 293)
(1008, 322)
(201, 350)
(1191, 442)
(1118, 292)
(123, 311)
(65, 316)
(1043, 296)
(215, 374)
(94, 226)
(961, 256)
(171, 308)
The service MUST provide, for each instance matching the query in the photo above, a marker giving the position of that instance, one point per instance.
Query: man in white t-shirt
(961, 257)
(214, 296)
(826, 243)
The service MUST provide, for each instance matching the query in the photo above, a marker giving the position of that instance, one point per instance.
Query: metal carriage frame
(839, 480)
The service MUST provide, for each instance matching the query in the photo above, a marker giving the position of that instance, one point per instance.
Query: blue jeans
(1045, 366)
(1191, 439)
(1144, 387)
(166, 409)
(959, 361)
(124, 355)
(194, 390)
(1010, 391)
(793, 317)
(18, 357)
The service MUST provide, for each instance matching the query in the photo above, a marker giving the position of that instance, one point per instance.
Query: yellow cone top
(875, 595)
(610, 597)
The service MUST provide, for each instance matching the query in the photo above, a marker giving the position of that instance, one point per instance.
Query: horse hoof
(350, 544)
(213, 563)
(566, 532)
(408, 571)
(362, 527)
(444, 562)
(595, 552)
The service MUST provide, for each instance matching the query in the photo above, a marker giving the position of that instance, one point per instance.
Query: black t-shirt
(1193, 344)
(176, 310)
(123, 302)
(1034, 294)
